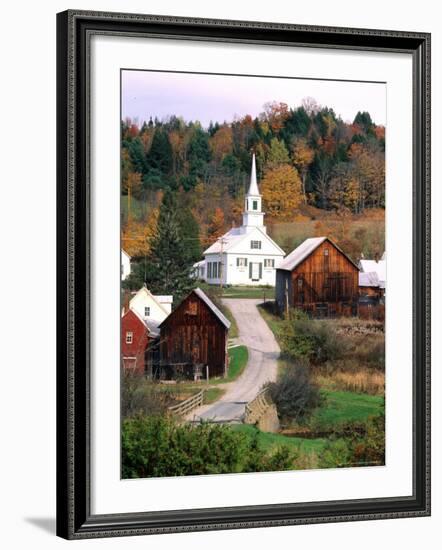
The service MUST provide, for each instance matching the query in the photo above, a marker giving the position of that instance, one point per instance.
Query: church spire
(253, 188)
(253, 216)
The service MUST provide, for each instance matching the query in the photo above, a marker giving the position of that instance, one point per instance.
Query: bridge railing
(257, 407)
(188, 405)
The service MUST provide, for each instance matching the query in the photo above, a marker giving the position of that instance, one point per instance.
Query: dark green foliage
(156, 446)
(190, 234)
(305, 338)
(363, 445)
(294, 394)
(159, 157)
(168, 266)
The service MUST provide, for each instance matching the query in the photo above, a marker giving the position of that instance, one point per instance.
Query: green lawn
(238, 357)
(268, 440)
(233, 330)
(212, 394)
(340, 407)
(259, 292)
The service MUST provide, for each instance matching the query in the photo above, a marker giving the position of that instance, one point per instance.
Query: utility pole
(286, 298)
(221, 264)
(128, 203)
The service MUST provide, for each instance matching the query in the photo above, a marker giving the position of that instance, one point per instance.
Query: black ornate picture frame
(74, 517)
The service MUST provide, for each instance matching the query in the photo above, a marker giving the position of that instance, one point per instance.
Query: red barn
(319, 278)
(136, 337)
(194, 336)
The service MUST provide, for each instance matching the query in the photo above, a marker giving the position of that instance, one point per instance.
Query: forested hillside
(315, 172)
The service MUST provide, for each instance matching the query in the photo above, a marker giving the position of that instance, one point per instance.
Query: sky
(219, 98)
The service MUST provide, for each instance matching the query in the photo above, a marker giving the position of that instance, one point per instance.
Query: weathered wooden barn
(193, 337)
(138, 343)
(319, 278)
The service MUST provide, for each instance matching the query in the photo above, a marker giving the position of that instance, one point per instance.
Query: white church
(244, 255)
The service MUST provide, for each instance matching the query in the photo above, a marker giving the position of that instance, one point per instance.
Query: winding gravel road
(261, 366)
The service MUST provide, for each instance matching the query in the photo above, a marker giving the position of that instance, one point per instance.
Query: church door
(255, 271)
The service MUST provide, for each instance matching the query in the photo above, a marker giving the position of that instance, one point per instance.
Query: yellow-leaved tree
(137, 236)
(281, 190)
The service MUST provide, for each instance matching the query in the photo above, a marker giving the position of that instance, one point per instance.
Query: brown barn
(194, 336)
(319, 278)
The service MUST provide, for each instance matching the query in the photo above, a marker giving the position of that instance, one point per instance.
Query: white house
(151, 309)
(125, 265)
(244, 255)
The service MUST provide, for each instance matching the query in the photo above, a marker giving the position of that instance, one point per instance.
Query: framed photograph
(243, 274)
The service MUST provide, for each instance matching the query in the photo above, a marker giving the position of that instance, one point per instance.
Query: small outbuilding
(319, 278)
(193, 337)
(138, 343)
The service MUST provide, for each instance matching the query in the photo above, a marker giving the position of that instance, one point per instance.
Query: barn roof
(370, 266)
(212, 306)
(368, 279)
(304, 250)
(209, 303)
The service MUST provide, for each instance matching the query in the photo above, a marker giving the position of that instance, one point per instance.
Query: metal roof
(209, 303)
(232, 237)
(368, 279)
(212, 306)
(370, 266)
(304, 250)
(301, 253)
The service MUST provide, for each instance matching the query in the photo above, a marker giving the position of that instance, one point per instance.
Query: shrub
(138, 395)
(294, 394)
(305, 338)
(156, 446)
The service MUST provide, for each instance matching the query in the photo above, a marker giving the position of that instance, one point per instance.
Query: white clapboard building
(151, 309)
(125, 265)
(244, 255)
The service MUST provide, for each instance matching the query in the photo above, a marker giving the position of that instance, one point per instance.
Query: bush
(305, 338)
(356, 445)
(156, 446)
(138, 395)
(294, 394)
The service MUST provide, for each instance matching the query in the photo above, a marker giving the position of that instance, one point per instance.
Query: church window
(241, 262)
(269, 262)
(255, 205)
(147, 311)
(255, 245)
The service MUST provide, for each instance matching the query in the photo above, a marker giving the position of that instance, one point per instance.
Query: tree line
(306, 154)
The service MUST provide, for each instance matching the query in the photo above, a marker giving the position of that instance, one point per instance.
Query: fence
(188, 405)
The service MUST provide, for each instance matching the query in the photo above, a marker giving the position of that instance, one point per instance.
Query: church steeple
(253, 215)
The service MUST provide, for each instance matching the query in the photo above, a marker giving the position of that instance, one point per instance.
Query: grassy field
(342, 407)
(356, 233)
(238, 357)
(212, 394)
(257, 292)
(268, 440)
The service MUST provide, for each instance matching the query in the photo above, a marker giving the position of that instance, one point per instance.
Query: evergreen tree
(190, 234)
(168, 266)
(159, 157)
